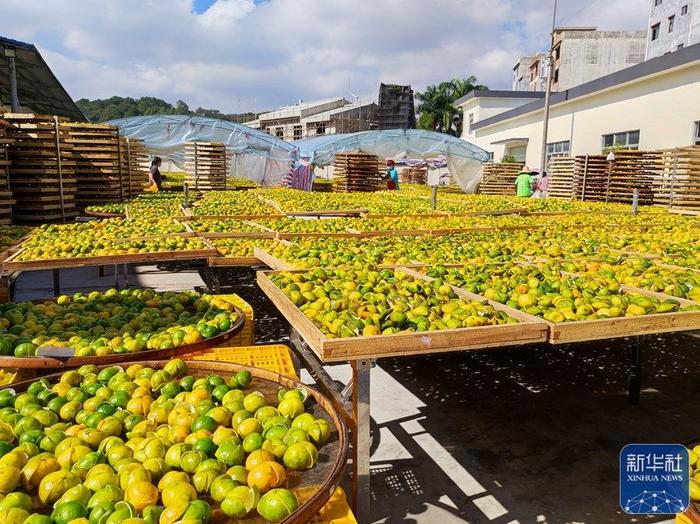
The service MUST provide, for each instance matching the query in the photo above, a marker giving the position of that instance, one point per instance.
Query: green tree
(436, 105)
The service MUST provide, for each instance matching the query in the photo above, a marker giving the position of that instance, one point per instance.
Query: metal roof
(38, 88)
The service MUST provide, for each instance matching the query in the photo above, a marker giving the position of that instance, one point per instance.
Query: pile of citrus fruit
(348, 303)
(124, 321)
(232, 203)
(146, 445)
(108, 207)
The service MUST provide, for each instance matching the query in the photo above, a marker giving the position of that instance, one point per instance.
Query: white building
(673, 25)
(652, 105)
(321, 117)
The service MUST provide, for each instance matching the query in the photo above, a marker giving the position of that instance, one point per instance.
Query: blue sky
(240, 55)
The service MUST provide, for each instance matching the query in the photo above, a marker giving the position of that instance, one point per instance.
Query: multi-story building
(581, 54)
(673, 25)
(652, 105)
(530, 73)
(321, 117)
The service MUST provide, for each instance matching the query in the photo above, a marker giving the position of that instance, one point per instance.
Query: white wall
(664, 109)
(596, 54)
(686, 28)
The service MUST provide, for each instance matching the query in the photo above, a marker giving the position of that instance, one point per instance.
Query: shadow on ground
(540, 428)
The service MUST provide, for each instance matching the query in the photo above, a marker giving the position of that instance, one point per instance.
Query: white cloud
(238, 56)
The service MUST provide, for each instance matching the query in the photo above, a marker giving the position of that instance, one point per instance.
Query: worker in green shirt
(523, 183)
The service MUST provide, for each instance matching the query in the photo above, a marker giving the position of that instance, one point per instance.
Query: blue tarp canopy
(463, 158)
(253, 154)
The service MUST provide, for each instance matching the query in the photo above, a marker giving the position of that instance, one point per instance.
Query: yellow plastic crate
(336, 511)
(246, 337)
(274, 357)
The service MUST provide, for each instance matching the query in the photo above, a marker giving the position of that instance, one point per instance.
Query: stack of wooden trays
(499, 178)
(6, 200)
(135, 165)
(677, 179)
(96, 148)
(356, 172)
(629, 171)
(206, 164)
(561, 177)
(591, 174)
(414, 175)
(42, 174)
(322, 186)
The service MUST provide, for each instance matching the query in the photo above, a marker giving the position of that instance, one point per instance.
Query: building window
(671, 19)
(556, 76)
(684, 10)
(471, 121)
(696, 138)
(490, 153)
(321, 129)
(657, 3)
(558, 148)
(624, 140)
(279, 132)
(297, 132)
(654, 32)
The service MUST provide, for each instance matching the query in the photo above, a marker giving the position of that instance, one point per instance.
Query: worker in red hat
(392, 175)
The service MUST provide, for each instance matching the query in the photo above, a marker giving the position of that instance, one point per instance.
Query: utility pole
(548, 92)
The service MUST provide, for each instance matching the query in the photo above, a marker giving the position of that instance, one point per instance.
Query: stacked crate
(590, 177)
(135, 165)
(631, 170)
(322, 186)
(6, 200)
(677, 178)
(561, 177)
(499, 178)
(206, 164)
(356, 172)
(414, 175)
(600, 180)
(42, 174)
(96, 148)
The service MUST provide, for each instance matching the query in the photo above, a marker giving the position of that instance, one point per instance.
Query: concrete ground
(528, 435)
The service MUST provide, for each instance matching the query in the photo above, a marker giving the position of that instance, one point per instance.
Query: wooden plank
(272, 261)
(11, 264)
(586, 330)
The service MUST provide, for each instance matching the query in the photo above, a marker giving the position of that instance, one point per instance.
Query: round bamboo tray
(43, 362)
(321, 481)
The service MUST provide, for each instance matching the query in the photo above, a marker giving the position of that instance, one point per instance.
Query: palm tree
(436, 105)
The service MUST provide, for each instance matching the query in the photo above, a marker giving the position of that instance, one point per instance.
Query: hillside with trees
(118, 107)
